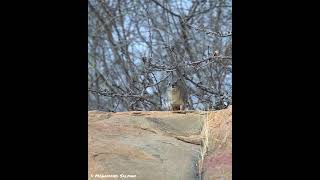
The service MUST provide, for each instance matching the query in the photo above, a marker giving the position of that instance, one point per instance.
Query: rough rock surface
(147, 145)
(217, 163)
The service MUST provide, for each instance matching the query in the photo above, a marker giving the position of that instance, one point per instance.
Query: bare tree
(136, 48)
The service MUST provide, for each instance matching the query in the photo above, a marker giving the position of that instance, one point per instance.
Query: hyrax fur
(177, 97)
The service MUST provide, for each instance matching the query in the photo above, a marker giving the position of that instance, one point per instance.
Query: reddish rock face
(218, 166)
(214, 161)
(218, 162)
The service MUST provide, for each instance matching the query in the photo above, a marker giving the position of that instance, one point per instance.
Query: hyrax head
(174, 84)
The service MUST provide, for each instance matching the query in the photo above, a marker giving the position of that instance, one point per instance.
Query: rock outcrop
(151, 145)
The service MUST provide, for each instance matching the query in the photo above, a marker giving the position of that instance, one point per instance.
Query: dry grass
(204, 144)
(216, 140)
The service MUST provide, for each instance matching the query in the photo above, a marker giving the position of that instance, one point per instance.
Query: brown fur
(178, 98)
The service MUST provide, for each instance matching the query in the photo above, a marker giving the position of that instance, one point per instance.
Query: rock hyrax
(177, 97)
